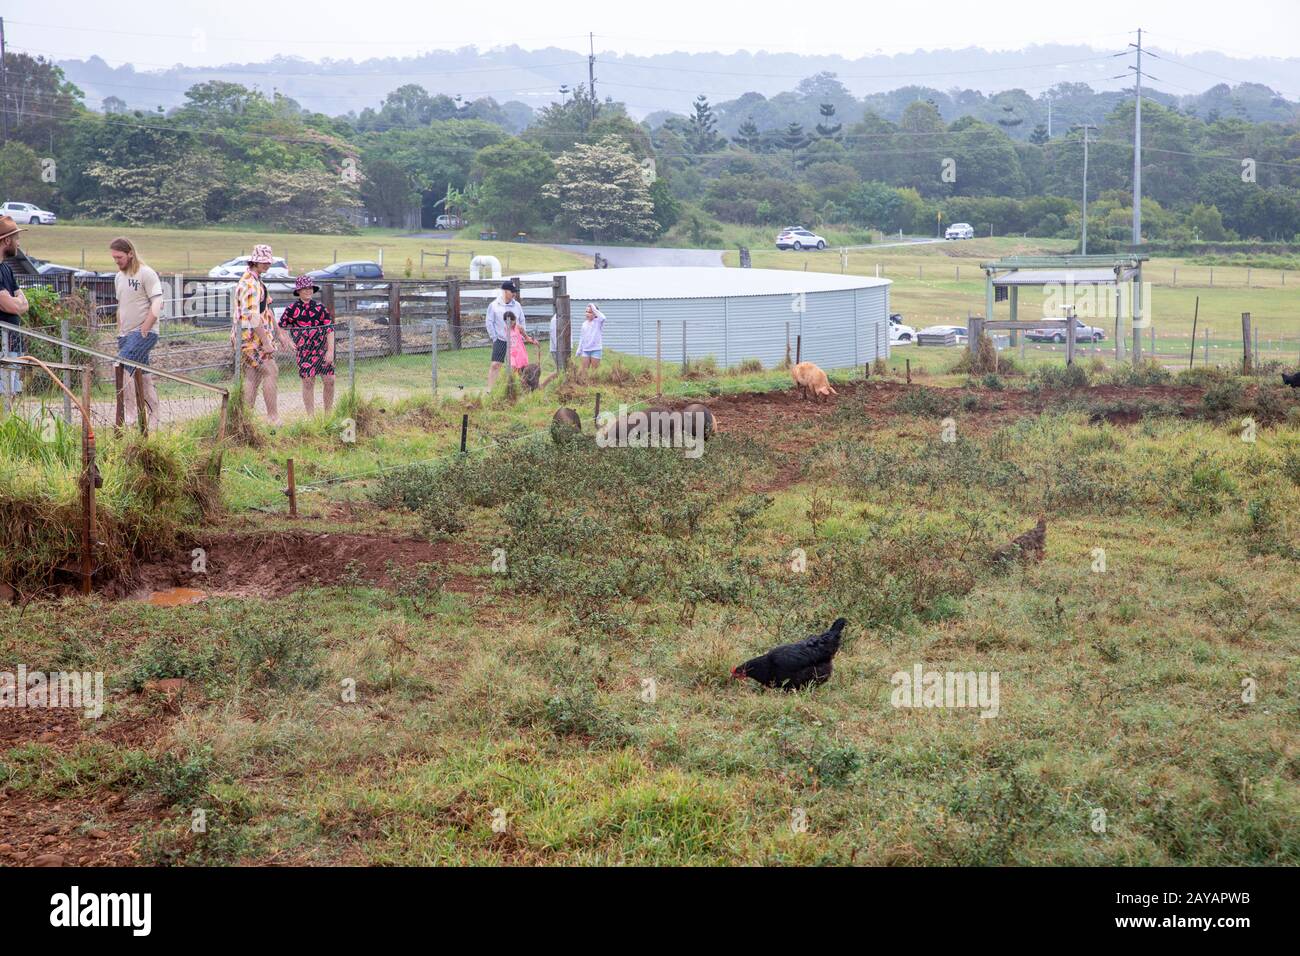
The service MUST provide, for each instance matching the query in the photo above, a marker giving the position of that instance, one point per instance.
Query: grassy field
(523, 656)
(942, 283)
(198, 250)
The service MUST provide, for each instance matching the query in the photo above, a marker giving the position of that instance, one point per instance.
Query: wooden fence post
(119, 416)
(141, 409)
(1246, 365)
(394, 318)
(563, 322)
(292, 492)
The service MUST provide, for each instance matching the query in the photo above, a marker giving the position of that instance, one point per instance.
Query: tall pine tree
(793, 138)
(748, 137)
(827, 128)
(703, 137)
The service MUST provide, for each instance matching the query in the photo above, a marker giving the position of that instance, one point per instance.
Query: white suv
(29, 213)
(797, 237)
(960, 230)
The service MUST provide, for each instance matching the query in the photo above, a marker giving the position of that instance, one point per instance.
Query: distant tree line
(583, 167)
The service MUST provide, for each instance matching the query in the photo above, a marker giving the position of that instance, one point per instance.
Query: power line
(278, 40)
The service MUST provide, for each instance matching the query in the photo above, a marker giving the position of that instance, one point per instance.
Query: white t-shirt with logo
(135, 295)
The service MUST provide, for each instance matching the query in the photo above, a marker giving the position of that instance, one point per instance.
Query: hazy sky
(155, 33)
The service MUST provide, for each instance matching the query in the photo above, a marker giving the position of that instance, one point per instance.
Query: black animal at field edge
(1291, 378)
(794, 666)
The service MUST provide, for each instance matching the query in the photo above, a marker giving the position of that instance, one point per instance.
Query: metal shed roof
(1063, 277)
(700, 282)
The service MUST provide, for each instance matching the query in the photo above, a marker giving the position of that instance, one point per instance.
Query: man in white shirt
(499, 313)
(139, 306)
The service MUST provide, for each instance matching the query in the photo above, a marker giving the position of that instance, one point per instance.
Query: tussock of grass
(151, 489)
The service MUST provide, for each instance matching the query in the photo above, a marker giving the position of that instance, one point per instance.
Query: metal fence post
(67, 381)
(453, 310)
(352, 354)
(434, 360)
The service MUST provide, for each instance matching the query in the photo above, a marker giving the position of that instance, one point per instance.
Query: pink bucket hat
(261, 253)
(304, 282)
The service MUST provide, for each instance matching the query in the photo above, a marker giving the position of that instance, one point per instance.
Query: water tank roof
(697, 282)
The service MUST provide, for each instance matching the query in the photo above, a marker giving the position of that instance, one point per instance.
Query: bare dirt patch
(103, 830)
(767, 415)
(271, 564)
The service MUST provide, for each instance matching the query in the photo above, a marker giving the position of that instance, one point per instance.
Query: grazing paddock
(524, 655)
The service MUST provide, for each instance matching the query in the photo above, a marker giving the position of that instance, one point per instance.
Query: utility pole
(1139, 307)
(1085, 127)
(1137, 144)
(4, 87)
(1049, 115)
(591, 71)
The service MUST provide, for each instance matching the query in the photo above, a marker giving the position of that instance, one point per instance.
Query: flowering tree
(602, 189)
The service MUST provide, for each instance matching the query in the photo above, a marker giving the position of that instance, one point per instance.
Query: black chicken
(792, 666)
(1292, 379)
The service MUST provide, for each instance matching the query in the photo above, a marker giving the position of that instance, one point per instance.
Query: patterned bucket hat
(261, 253)
(304, 282)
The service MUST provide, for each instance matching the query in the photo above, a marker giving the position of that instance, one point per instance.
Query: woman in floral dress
(253, 321)
(310, 328)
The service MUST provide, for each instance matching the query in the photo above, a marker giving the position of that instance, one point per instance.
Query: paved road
(622, 256)
(625, 256)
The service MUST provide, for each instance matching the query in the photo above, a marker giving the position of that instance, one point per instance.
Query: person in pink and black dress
(308, 328)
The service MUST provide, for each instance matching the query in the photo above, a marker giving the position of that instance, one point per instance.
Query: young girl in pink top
(518, 351)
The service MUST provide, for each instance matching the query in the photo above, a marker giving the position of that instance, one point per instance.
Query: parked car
(958, 330)
(900, 334)
(960, 230)
(356, 270)
(235, 268)
(54, 269)
(797, 237)
(1082, 333)
(29, 213)
(449, 222)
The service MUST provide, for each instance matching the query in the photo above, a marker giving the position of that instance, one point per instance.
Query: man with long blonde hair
(139, 307)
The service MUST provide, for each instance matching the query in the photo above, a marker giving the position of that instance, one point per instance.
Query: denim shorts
(136, 347)
(593, 353)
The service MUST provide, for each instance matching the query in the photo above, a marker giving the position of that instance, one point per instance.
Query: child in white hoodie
(591, 343)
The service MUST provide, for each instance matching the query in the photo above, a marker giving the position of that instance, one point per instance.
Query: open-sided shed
(1116, 274)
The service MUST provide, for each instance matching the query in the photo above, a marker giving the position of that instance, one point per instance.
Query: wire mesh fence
(392, 339)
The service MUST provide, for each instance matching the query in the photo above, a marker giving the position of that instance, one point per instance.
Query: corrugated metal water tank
(736, 314)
